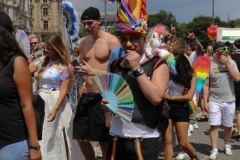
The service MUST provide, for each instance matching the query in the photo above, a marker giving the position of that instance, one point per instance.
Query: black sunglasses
(34, 43)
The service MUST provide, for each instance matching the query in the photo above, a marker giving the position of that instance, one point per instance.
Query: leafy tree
(82, 32)
(199, 27)
(234, 23)
(112, 29)
(163, 17)
(220, 23)
(237, 22)
(182, 30)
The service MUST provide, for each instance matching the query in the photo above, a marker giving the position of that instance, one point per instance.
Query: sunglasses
(47, 48)
(210, 50)
(34, 43)
(223, 49)
(132, 39)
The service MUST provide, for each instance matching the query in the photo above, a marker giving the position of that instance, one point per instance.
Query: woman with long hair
(54, 80)
(18, 132)
(181, 89)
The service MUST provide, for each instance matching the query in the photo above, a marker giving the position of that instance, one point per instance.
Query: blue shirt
(115, 54)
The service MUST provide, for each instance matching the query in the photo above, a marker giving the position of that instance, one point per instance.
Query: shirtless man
(89, 121)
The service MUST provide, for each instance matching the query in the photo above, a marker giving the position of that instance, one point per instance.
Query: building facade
(111, 20)
(18, 10)
(46, 17)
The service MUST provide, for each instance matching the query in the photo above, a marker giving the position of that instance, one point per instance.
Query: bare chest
(98, 50)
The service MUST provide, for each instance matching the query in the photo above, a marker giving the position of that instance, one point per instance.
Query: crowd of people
(76, 113)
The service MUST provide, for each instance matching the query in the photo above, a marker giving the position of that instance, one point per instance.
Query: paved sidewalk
(201, 142)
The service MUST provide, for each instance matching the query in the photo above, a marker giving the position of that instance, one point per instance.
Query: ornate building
(18, 10)
(46, 17)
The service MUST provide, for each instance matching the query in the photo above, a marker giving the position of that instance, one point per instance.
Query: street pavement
(201, 142)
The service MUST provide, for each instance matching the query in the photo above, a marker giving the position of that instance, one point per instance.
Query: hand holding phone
(76, 63)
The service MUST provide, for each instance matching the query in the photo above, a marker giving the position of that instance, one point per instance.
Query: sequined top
(53, 75)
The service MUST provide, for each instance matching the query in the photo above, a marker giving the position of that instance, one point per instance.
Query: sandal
(204, 118)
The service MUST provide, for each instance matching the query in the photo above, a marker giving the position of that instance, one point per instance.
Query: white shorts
(221, 113)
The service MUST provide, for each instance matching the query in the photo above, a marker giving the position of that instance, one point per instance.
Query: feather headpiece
(132, 16)
(201, 68)
(71, 20)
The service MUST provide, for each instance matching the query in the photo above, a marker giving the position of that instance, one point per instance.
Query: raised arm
(232, 68)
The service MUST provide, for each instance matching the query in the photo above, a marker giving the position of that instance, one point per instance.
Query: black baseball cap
(220, 44)
(6, 22)
(90, 13)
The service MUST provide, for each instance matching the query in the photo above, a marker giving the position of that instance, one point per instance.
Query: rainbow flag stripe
(192, 108)
(138, 149)
(114, 142)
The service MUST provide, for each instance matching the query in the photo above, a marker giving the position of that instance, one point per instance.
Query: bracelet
(57, 108)
(35, 148)
(107, 110)
(172, 98)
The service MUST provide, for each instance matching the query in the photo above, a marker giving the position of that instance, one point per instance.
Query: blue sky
(183, 10)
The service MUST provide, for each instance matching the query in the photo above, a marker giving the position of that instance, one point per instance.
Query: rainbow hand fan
(201, 68)
(116, 90)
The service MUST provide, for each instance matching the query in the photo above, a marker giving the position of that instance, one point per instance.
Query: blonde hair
(56, 43)
(179, 46)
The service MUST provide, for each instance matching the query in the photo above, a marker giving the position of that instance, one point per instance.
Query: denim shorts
(15, 151)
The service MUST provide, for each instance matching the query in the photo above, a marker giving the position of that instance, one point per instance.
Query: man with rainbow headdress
(147, 79)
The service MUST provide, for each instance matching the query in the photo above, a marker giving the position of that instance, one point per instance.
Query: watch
(138, 72)
(35, 148)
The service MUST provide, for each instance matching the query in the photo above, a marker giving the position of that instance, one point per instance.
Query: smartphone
(76, 63)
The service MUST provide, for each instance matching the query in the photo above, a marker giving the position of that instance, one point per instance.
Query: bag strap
(114, 63)
(156, 64)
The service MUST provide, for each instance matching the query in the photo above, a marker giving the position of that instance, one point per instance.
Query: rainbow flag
(192, 108)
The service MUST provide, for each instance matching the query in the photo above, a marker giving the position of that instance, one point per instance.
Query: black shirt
(12, 124)
(144, 112)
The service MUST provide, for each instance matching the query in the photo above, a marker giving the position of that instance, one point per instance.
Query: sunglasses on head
(132, 39)
(33, 43)
(223, 49)
(47, 48)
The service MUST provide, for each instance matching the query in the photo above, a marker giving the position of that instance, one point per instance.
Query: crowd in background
(75, 112)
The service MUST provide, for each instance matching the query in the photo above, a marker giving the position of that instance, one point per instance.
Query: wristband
(35, 147)
(107, 110)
